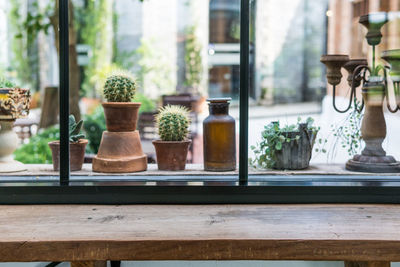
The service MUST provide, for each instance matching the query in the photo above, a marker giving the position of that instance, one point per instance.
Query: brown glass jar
(219, 137)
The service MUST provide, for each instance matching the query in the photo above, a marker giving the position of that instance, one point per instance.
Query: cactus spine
(120, 87)
(173, 123)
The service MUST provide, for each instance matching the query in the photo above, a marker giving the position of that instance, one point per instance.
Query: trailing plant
(173, 123)
(348, 133)
(75, 129)
(37, 151)
(120, 87)
(272, 139)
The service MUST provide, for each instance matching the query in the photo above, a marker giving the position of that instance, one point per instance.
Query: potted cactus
(120, 112)
(120, 149)
(171, 151)
(77, 146)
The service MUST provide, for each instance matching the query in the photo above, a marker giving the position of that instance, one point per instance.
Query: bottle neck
(219, 108)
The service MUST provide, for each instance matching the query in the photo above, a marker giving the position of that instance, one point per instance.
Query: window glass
(291, 86)
(28, 89)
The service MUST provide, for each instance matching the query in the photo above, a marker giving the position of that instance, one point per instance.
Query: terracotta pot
(77, 154)
(120, 152)
(121, 117)
(171, 155)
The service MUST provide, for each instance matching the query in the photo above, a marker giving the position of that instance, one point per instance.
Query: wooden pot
(171, 155)
(296, 155)
(77, 154)
(121, 116)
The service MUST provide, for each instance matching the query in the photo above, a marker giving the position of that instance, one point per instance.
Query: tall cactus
(173, 123)
(120, 87)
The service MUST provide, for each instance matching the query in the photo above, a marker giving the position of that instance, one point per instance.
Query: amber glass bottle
(219, 137)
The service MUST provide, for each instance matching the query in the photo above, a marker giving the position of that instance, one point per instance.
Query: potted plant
(171, 151)
(286, 148)
(120, 148)
(77, 146)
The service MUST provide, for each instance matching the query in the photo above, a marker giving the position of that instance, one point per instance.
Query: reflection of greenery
(37, 150)
(153, 68)
(94, 126)
(94, 31)
(4, 83)
(147, 104)
(23, 43)
(193, 59)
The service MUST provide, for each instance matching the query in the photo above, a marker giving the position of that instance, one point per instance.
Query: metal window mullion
(244, 91)
(64, 92)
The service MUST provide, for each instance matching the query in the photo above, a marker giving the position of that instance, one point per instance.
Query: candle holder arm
(396, 92)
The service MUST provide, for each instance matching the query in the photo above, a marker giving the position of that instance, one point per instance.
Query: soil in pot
(121, 116)
(77, 154)
(171, 155)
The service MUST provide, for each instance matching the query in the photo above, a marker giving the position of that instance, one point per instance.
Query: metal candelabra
(375, 84)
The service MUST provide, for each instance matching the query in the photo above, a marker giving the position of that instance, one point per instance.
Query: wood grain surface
(203, 232)
(89, 264)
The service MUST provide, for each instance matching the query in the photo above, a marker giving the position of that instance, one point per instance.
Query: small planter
(121, 116)
(77, 154)
(171, 155)
(296, 155)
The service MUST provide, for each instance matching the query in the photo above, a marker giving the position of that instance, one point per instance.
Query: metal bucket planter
(296, 155)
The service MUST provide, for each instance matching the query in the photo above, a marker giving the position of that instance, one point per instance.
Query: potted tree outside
(285, 148)
(77, 146)
(120, 149)
(171, 151)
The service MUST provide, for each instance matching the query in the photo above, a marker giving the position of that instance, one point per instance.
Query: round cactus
(173, 123)
(120, 87)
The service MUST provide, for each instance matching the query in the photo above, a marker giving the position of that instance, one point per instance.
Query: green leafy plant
(4, 83)
(348, 133)
(273, 138)
(37, 151)
(75, 129)
(95, 125)
(173, 123)
(120, 87)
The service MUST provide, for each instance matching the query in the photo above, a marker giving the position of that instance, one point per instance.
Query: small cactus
(173, 123)
(120, 87)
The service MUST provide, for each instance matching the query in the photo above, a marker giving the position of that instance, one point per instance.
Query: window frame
(229, 190)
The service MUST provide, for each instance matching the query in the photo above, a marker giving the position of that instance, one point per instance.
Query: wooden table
(88, 235)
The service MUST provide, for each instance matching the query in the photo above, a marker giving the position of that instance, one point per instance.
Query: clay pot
(77, 154)
(120, 152)
(121, 116)
(171, 155)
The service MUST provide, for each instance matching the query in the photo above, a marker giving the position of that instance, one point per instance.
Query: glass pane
(290, 86)
(179, 57)
(28, 116)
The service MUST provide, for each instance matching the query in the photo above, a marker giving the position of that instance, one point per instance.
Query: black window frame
(229, 190)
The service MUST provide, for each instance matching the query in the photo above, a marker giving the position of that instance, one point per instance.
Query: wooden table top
(202, 232)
